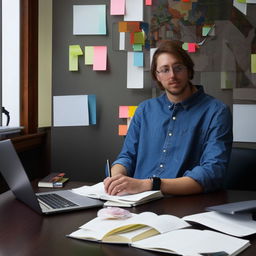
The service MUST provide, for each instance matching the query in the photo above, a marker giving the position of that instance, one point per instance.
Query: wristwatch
(156, 183)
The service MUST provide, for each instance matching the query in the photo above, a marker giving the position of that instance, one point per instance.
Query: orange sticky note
(122, 129)
(117, 7)
(132, 110)
(100, 58)
(123, 111)
(122, 26)
(133, 26)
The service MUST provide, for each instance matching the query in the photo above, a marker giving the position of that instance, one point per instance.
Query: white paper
(244, 122)
(152, 51)
(122, 41)
(70, 110)
(242, 7)
(134, 10)
(135, 75)
(251, 1)
(89, 19)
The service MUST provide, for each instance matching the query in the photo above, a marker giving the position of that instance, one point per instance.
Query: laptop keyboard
(55, 201)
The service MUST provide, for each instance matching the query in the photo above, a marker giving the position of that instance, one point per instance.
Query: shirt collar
(188, 102)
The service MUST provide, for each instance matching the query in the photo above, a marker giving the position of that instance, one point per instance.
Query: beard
(179, 91)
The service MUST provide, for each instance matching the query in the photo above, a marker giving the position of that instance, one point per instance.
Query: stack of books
(53, 180)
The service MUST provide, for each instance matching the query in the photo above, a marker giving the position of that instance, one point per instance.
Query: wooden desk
(25, 233)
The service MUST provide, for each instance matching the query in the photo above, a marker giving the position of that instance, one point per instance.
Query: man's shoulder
(153, 101)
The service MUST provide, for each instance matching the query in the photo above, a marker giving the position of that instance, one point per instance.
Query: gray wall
(82, 151)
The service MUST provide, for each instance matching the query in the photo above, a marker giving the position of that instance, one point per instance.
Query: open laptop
(13, 172)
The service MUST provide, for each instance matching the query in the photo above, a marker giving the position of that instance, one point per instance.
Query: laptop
(45, 203)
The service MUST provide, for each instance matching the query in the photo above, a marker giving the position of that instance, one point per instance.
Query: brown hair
(174, 48)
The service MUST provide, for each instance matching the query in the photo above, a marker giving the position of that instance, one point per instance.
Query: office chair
(241, 170)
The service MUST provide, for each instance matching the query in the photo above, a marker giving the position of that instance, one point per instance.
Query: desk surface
(23, 232)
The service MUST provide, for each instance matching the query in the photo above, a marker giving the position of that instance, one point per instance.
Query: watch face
(156, 183)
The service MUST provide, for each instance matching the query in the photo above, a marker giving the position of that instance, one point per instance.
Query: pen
(107, 169)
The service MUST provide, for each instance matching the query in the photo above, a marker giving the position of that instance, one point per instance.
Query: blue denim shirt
(192, 138)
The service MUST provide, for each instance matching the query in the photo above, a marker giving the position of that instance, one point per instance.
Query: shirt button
(170, 134)
(161, 165)
(164, 150)
(174, 118)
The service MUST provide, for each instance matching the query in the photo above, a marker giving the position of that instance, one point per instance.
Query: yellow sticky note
(122, 129)
(88, 55)
(132, 110)
(253, 63)
(74, 52)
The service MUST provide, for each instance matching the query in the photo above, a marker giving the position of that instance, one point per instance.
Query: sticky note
(134, 10)
(191, 47)
(139, 38)
(186, 0)
(205, 30)
(185, 46)
(74, 52)
(122, 41)
(133, 26)
(123, 111)
(100, 58)
(253, 63)
(122, 129)
(148, 2)
(137, 47)
(132, 110)
(92, 108)
(241, 1)
(88, 55)
(122, 26)
(89, 19)
(117, 7)
(138, 59)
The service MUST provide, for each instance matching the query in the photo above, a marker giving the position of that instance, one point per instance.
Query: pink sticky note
(100, 58)
(148, 2)
(123, 111)
(191, 47)
(117, 7)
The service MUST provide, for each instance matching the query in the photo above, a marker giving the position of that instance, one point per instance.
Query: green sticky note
(137, 47)
(185, 46)
(74, 52)
(88, 55)
(253, 63)
(241, 1)
(205, 30)
(139, 38)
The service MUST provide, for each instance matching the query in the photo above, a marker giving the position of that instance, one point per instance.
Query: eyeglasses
(176, 69)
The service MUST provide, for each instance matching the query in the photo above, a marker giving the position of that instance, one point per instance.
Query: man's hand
(122, 185)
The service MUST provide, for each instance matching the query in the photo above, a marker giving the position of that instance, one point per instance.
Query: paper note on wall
(123, 111)
(135, 75)
(122, 41)
(89, 19)
(148, 2)
(117, 7)
(88, 55)
(138, 59)
(242, 7)
(122, 129)
(74, 52)
(100, 58)
(253, 63)
(244, 122)
(70, 110)
(132, 110)
(134, 10)
(92, 108)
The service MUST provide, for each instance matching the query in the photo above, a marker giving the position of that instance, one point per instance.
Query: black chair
(242, 169)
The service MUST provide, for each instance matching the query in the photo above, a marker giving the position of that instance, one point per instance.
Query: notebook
(57, 201)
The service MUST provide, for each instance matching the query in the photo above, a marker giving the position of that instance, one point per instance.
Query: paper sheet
(134, 10)
(74, 52)
(100, 58)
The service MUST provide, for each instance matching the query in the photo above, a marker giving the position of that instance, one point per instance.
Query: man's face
(172, 74)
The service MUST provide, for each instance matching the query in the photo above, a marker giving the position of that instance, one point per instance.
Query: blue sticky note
(138, 59)
(92, 108)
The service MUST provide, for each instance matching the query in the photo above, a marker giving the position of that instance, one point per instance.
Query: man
(179, 142)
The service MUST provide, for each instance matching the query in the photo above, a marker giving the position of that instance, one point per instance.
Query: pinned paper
(117, 7)
(132, 110)
(139, 38)
(148, 2)
(138, 59)
(122, 26)
(185, 46)
(191, 47)
(89, 19)
(70, 110)
(134, 10)
(122, 41)
(123, 111)
(122, 129)
(100, 58)
(88, 55)
(253, 63)
(92, 108)
(74, 52)
(133, 26)
(137, 47)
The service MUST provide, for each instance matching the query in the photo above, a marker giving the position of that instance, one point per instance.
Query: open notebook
(97, 191)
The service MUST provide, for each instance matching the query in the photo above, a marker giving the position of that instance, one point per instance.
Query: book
(239, 225)
(137, 227)
(97, 191)
(53, 180)
(194, 242)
